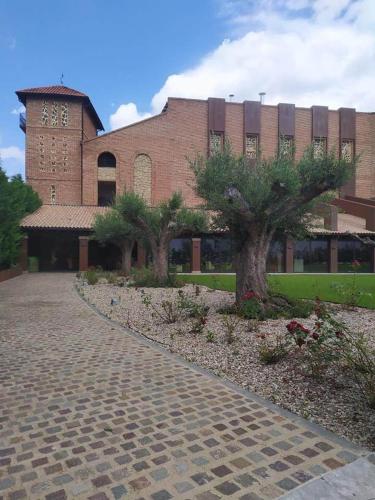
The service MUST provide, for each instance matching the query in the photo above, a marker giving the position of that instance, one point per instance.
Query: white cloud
(12, 153)
(301, 51)
(17, 111)
(126, 114)
(12, 160)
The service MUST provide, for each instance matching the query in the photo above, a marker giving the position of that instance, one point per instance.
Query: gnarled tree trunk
(126, 256)
(160, 260)
(251, 262)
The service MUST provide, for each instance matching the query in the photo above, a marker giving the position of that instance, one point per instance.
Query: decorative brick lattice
(44, 113)
(347, 150)
(286, 146)
(53, 194)
(251, 146)
(216, 143)
(320, 147)
(64, 153)
(64, 114)
(142, 177)
(41, 154)
(55, 115)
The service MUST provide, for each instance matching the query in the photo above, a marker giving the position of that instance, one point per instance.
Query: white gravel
(334, 402)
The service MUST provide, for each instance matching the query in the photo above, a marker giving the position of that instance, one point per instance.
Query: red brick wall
(169, 139)
(65, 177)
(365, 147)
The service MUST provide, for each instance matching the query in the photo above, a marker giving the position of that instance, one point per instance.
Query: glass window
(180, 255)
(276, 257)
(106, 160)
(311, 256)
(353, 256)
(217, 254)
(216, 143)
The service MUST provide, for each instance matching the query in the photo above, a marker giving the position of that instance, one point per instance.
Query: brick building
(77, 173)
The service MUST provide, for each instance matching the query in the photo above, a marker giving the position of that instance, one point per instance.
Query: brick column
(196, 255)
(333, 255)
(289, 255)
(141, 255)
(83, 253)
(24, 251)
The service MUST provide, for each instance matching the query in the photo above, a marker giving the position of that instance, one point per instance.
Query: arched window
(142, 177)
(106, 160)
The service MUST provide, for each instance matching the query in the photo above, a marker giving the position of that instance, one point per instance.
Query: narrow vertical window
(53, 195)
(44, 113)
(64, 114)
(55, 115)
(347, 150)
(216, 143)
(319, 147)
(251, 146)
(286, 146)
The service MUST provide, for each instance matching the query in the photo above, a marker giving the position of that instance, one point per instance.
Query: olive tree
(111, 227)
(159, 225)
(256, 201)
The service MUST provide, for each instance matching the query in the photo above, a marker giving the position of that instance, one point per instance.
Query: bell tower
(56, 121)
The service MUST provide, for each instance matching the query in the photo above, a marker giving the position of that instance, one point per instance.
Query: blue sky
(115, 51)
(129, 56)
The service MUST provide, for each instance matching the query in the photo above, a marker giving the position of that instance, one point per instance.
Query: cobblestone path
(89, 411)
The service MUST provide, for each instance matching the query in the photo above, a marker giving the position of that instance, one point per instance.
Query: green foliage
(360, 358)
(277, 193)
(145, 277)
(170, 218)
(230, 324)
(91, 276)
(176, 309)
(271, 352)
(16, 200)
(112, 227)
(210, 336)
(350, 291)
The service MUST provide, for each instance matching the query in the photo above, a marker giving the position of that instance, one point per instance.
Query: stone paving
(88, 410)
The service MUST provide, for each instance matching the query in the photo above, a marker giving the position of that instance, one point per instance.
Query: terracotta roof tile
(62, 217)
(53, 90)
(62, 91)
(82, 217)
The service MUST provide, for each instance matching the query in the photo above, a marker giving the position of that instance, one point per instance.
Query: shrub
(144, 277)
(230, 324)
(210, 336)
(271, 352)
(91, 276)
(168, 311)
(322, 344)
(360, 357)
(198, 325)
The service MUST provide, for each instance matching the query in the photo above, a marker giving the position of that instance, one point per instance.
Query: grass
(298, 286)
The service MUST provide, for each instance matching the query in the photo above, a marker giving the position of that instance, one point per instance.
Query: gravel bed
(334, 402)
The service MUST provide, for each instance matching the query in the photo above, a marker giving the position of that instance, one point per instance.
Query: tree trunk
(251, 266)
(126, 256)
(160, 261)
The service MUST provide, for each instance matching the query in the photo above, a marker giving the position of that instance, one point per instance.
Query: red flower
(315, 335)
(292, 326)
(340, 335)
(249, 295)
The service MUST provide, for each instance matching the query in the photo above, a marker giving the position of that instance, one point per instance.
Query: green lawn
(303, 286)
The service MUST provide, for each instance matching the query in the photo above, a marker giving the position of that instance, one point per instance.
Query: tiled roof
(62, 217)
(82, 217)
(346, 223)
(60, 90)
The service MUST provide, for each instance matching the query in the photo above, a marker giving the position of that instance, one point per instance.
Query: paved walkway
(89, 411)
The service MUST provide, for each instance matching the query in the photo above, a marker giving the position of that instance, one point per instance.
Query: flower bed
(186, 321)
